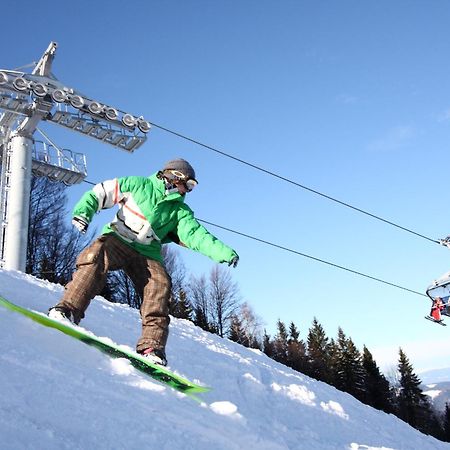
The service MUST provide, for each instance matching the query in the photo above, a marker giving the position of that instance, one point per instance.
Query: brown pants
(149, 277)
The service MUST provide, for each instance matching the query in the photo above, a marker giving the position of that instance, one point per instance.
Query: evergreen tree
(268, 345)
(201, 320)
(349, 372)
(182, 308)
(280, 343)
(446, 424)
(237, 334)
(378, 392)
(413, 406)
(296, 350)
(333, 358)
(318, 353)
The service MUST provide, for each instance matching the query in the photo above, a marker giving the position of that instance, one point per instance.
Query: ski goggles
(176, 177)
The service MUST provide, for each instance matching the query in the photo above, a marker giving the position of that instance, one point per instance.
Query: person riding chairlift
(436, 308)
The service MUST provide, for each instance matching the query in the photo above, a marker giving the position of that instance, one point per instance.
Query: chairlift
(439, 294)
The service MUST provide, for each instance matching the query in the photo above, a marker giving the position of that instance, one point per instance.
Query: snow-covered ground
(58, 393)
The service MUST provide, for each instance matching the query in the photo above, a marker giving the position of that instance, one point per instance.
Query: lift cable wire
(273, 174)
(312, 257)
(337, 266)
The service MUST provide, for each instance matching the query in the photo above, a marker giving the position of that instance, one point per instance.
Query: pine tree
(280, 343)
(318, 353)
(268, 345)
(183, 308)
(237, 333)
(446, 424)
(333, 358)
(201, 320)
(413, 406)
(349, 371)
(296, 350)
(378, 392)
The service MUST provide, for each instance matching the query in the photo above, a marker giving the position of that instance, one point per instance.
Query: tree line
(338, 362)
(214, 303)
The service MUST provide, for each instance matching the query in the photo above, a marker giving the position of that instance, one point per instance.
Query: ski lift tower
(25, 100)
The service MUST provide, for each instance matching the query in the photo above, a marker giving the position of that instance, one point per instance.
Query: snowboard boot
(62, 314)
(156, 356)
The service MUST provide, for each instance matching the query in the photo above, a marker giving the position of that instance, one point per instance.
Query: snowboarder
(151, 212)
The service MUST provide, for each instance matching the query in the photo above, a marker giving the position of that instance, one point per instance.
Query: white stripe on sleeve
(108, 193)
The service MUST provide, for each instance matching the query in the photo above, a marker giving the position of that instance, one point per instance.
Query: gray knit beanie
(181, 165)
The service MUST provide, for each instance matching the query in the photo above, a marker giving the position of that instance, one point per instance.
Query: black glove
(80, 223)
(233, 261)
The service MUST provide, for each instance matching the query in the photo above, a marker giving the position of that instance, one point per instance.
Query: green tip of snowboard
(157, 372)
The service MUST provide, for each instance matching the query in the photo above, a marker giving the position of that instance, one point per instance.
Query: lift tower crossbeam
(26, 99)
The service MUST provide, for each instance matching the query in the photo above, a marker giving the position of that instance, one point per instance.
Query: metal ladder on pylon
(5, 180)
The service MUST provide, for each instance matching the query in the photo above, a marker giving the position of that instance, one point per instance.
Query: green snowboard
(156, 371)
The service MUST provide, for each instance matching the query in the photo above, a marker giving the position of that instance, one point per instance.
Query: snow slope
(439, 394)
(58, 393)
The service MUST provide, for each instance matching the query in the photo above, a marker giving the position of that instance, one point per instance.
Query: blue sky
(350, 98)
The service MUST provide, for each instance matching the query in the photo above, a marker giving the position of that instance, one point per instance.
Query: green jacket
(148, 217)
